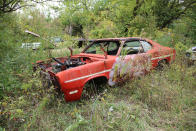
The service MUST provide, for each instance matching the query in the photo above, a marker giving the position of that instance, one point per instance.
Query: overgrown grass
(162, 100)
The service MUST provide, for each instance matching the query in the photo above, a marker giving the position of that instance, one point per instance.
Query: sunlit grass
(161, 100)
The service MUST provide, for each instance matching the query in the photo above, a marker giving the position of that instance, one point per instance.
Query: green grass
(162, 100)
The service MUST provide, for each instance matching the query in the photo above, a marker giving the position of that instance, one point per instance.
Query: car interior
(132, 47)
(111, 47)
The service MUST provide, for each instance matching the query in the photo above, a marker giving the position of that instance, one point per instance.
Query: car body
(33, 46)
(191, 54)
(56, 40)
(113, 59)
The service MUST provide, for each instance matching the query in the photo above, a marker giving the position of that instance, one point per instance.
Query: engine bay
(68, 63)
(55, 65)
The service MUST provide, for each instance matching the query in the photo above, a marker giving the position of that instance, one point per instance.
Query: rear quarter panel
(160, 52)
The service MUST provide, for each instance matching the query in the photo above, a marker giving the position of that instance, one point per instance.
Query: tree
(7, 6)
(166, 11)
(11, 5)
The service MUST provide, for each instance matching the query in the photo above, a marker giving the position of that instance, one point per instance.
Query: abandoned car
(191, 54)
(111, 59)
(33, 46)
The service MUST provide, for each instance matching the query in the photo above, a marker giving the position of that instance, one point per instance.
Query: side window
(95, 49)
(112, 46)
(133, 44)
(131, 47)
(146, 46)
(92, 49)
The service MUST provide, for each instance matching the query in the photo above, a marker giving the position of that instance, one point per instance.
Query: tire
(161, 65)
(93, 88)
(45, 80)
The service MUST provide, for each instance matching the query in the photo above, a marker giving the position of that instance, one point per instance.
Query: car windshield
(111, 47)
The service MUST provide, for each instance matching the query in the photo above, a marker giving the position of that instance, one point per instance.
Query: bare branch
(13, 5)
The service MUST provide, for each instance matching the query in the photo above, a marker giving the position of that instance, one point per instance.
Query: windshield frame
(100, 41)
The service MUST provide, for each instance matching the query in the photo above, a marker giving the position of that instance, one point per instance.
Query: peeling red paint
(70, 74)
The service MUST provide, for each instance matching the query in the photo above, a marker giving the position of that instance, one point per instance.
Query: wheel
(89, 90)
(93, 88)
(45, 80)
(161, 65)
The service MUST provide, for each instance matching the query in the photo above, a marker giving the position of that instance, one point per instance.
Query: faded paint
(129, 66)
(71, 74)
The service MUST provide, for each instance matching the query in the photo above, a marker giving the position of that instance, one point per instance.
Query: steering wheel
(68, 62)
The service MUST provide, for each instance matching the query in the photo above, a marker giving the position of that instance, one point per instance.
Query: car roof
(82, 39)
(120, 39)
(112, 39)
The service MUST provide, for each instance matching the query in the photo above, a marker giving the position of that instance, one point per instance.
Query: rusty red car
(111, 59)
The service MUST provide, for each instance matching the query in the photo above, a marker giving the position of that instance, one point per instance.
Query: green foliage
(105, 29)
(128, 17)
(8, 27)
(192, 25)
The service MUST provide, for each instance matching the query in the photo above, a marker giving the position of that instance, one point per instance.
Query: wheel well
(162, 63)
(166, 61)
(98, 80)
(93, 87)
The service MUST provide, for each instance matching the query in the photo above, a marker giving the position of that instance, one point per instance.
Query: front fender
(94, 77)
(72, 94)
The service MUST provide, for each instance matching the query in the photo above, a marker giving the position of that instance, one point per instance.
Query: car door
(132, 62)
